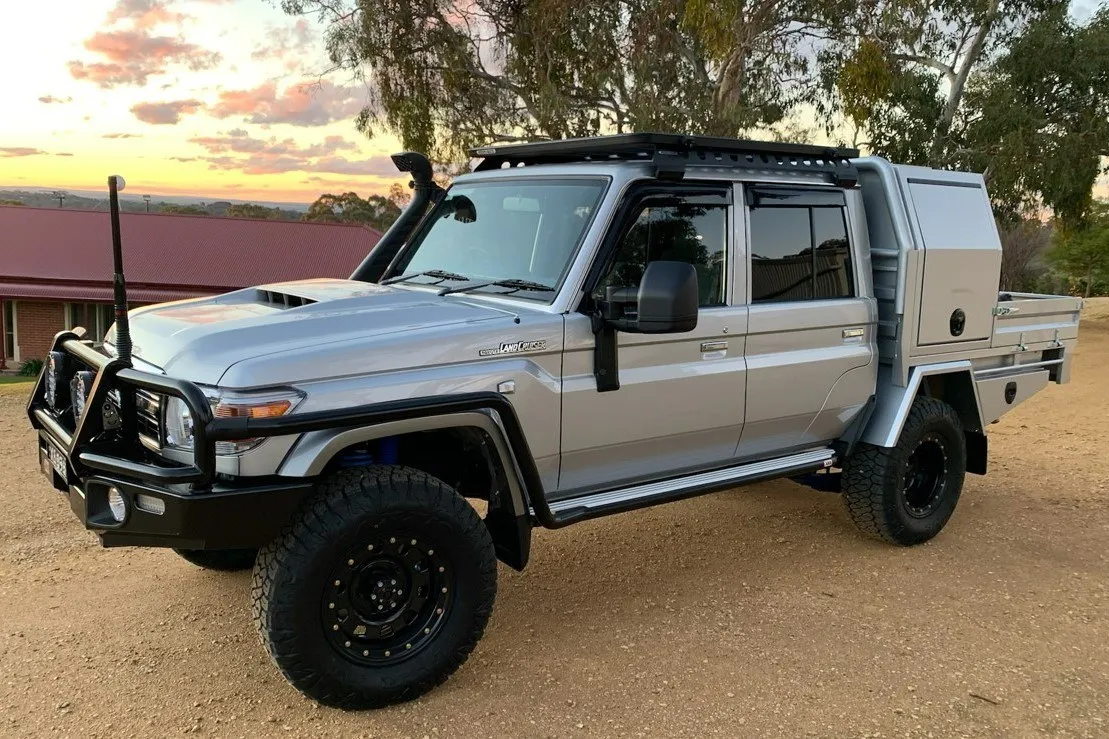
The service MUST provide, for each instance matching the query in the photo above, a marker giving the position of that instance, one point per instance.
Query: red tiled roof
(67, 254)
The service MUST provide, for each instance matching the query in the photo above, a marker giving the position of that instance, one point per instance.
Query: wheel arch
(433, 443)
(951, 382)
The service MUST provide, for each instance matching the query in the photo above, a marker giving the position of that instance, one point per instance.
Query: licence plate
(57, 460)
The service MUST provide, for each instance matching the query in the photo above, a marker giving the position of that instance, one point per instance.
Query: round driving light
(80, 387)
(117, 505)
(55, 366)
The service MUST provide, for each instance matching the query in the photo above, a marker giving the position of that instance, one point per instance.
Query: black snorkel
(425, 192)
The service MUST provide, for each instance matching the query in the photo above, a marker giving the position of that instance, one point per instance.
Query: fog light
(117, 505)
(150, 504)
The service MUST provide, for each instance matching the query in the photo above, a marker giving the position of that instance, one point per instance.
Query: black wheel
(379, 589)
(906, 494)
(225, 560)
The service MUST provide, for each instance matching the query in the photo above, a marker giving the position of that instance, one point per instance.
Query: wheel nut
(427, 631)
(335, 627)
(346, 644)
(413, 542)
(392, 582)
(407, 646)
(392, 540)
(442, 569)
(365, 653)
(444, 590)
(330, 605)
(388, 653)
(430, 552)
(370, 548)
(350, 562)
(337, 583)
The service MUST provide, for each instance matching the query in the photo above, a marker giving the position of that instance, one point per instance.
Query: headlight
(227, 404)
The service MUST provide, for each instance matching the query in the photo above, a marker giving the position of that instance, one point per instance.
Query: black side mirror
(666, 302)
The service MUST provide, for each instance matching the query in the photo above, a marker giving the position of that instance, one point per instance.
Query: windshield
(515, 230)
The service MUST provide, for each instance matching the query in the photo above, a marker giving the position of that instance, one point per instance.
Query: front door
(681, 396)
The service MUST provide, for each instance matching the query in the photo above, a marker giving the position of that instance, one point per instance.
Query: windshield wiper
(512, 284)
(438, 274)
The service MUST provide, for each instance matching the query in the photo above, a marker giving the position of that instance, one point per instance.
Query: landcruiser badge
(513, 347)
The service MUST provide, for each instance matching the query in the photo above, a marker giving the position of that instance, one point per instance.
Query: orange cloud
(238, 151)
(132, 56)
(19, 151)
(304, 104)
(165, 113)
(143, 13)
(289, 44)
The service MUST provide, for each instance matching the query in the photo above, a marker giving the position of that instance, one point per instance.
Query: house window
(9, 331)
(800, 253)
(96, 318)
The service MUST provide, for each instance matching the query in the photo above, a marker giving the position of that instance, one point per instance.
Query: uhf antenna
(123, 330)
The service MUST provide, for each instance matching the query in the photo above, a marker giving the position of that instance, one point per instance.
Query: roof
(51, 253)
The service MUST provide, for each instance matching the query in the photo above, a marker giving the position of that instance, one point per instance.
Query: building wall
(36, 323)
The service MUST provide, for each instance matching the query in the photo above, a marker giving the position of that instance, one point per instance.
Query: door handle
(713, 346)
(853, 333)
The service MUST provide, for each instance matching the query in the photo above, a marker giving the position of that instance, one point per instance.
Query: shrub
(30, 367)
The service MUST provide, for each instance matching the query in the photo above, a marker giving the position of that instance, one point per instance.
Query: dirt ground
(757, 611)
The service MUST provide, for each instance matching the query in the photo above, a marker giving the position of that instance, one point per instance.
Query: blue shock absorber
(388, 450)
(356, 458)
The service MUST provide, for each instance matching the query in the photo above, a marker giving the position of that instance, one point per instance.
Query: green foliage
(451, 73)
(1082, 255)
(375, 211)
(30, 367)
(184, 210)
(250, 210)
(10, 202)
(1042, 117)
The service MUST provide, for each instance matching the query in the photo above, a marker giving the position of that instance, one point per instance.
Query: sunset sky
(215, 98)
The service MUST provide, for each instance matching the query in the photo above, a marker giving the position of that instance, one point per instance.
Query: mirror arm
(606, 368)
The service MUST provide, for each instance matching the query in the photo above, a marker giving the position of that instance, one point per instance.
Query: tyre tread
(346, 494)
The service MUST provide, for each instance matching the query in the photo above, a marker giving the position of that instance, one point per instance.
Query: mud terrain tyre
(378, 590)
(906, 494)
(224, 560)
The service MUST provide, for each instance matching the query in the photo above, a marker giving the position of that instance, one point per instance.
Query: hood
(200, 339)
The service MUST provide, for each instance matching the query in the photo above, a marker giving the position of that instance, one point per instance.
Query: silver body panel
(754, 384)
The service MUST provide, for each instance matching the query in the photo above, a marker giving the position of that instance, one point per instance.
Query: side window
(678, 232)
(800, 253)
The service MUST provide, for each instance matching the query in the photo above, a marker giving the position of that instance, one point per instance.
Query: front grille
(148, 418)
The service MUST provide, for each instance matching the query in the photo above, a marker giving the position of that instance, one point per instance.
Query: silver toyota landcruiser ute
(574, 329)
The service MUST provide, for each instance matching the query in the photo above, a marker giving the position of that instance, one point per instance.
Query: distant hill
(75, 201)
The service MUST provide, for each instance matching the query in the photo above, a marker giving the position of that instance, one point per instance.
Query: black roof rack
(672, 153)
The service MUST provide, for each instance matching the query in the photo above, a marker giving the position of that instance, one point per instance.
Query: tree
(898, 69)
(184, 210)
(1022, 246)
(1083, 255)
(1041, 117)
(251, 210)
(376, 210)
(445, 74)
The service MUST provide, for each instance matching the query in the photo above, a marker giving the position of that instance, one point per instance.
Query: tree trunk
(1089, 281)
(958, 85)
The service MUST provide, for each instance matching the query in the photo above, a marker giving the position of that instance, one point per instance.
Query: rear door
(810, 337)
